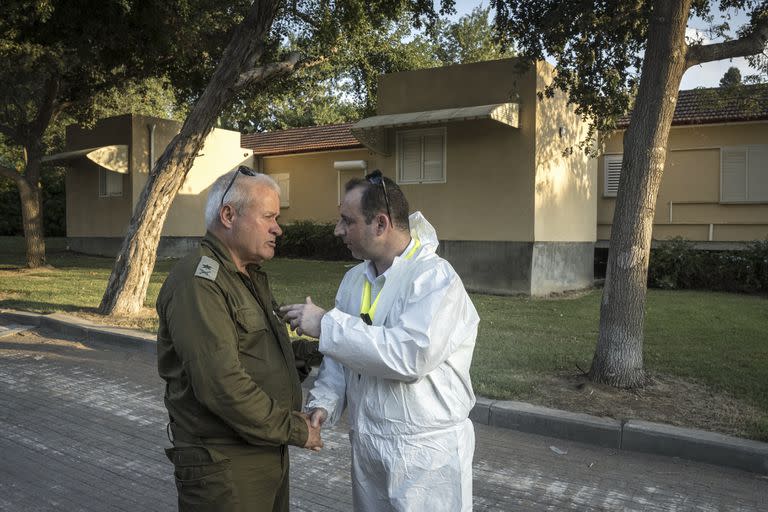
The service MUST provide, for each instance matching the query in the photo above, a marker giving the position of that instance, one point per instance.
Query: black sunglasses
(376, 178)
(242, 169)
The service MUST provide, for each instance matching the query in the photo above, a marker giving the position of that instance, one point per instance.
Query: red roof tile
(707, 106)
(301, 140)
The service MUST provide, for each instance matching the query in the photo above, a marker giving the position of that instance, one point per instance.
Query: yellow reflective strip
(413, 249)
(365, 300)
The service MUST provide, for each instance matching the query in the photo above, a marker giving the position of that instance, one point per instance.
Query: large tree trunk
(618, 358)
(32, 218)
(127, 286)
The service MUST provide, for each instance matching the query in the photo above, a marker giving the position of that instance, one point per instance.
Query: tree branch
(748, 45)
(263, 73)
(11, 174)
(8, 132)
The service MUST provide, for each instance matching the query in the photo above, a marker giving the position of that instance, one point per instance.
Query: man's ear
(227, 215)
(381, 221)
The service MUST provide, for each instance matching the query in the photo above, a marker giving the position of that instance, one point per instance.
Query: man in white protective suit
(398, 347)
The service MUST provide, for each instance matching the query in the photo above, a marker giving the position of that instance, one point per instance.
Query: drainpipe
(152, 146)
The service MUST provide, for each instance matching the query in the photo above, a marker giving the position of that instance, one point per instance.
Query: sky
(705, 75)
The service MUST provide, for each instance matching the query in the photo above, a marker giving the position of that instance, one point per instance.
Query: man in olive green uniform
(232, 388)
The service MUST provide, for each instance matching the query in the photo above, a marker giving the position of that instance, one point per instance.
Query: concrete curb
(631, 435)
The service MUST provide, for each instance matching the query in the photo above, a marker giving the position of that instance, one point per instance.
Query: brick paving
(82, 428)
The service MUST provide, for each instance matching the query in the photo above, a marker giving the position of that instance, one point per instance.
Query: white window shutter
(433, 157)
(114, 184)
(284, 181)
(733, 171)
(612, 168)
(410, 158)
(757, 173)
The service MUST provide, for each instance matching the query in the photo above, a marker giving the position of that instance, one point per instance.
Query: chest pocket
(253, 335)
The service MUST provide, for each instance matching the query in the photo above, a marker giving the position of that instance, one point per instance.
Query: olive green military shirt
(228, 363)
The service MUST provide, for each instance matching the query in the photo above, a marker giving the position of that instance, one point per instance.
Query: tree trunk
(31, 198)
(127, 286)
(618, 358)
(32, 218)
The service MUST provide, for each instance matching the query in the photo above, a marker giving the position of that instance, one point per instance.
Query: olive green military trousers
(230, 477)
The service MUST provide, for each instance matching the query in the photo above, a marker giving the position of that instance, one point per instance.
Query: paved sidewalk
(632, 435)
(82, 427)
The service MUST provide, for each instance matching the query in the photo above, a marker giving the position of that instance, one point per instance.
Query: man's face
(351, 227)
(255, 229)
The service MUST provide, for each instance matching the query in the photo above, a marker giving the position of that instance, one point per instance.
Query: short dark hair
(372, 202)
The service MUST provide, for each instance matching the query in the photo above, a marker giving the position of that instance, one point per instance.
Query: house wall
(314, 182)
(565, 213)
(514, 215)
(97, 225)
(487, 195)
(220, 154)
(691, 183)
(89, 215)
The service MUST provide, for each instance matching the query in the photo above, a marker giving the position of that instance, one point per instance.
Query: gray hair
(237, 195)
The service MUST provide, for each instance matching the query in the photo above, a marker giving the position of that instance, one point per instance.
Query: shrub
(677, 264)
(308, 239)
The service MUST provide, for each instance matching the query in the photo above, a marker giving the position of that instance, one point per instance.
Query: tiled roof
(706, 106)
(694, 106)
(301, 140)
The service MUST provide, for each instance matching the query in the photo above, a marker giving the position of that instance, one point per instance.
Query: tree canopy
(344, 86)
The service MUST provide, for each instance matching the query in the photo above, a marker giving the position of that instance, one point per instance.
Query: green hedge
(311, 240)
(676, 264)
(54, 209)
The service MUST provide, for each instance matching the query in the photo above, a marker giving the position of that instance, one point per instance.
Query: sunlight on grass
(715, 339)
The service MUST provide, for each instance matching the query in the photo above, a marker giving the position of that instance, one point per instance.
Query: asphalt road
(82, 427)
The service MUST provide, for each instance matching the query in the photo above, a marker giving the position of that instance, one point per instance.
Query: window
(110, 183)
(744, 174)
(612, 171)
(421, 156)
(284, 180)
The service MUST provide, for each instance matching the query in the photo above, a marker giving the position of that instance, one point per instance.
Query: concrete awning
(113, 158)
(371, 130)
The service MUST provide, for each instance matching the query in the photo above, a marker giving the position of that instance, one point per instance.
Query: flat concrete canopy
(113, 158)
(370, 131)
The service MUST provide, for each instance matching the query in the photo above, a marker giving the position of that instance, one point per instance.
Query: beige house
(108, 167)
(476, 151)
(478, 154)
(715, 185)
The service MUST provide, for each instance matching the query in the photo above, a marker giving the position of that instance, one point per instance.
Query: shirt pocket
(253, 335)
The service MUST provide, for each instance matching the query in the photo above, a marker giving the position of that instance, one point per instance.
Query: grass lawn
(707, 352)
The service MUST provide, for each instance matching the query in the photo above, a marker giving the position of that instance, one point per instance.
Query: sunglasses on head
(376, 178)
(242, 169)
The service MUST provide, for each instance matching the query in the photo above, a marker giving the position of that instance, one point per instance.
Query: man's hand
(314, 441)
(317, 417)
(304, 318)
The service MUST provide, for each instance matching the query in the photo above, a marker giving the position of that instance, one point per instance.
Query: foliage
(307, 239)
(469, 39)
(54, 221)
(599, 48)
(676, 264)
(731, 78)
(343, 87)
(57, 56)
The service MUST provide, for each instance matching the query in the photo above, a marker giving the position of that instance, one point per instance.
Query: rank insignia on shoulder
(208, 268)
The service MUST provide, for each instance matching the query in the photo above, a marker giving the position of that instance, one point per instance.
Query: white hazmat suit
(405, 380)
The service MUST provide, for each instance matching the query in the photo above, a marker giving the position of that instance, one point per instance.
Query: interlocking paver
(82, 427)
